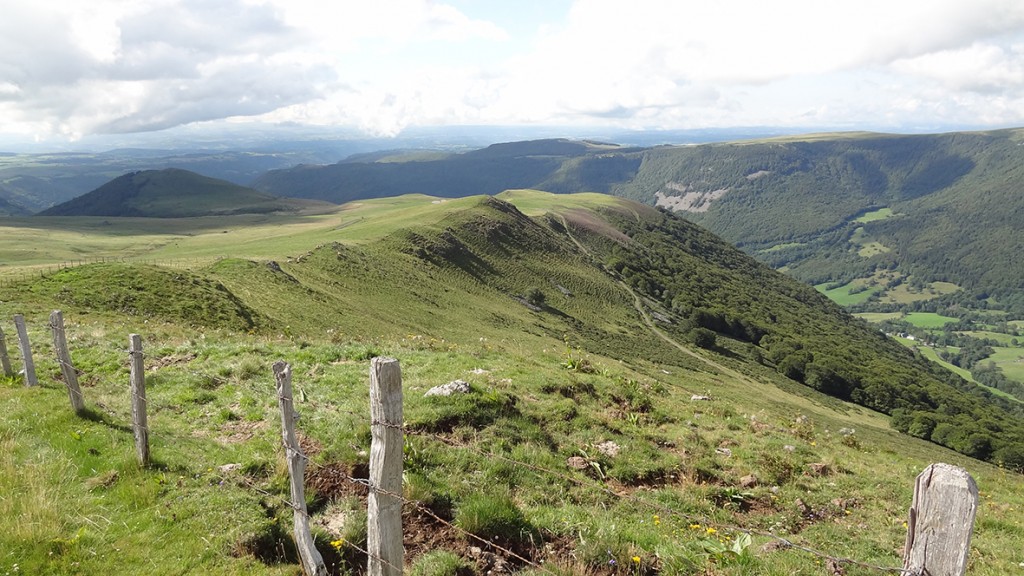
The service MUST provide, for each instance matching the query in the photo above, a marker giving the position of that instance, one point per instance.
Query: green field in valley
(928, 319)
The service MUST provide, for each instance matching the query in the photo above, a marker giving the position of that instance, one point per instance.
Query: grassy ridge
(548, 383)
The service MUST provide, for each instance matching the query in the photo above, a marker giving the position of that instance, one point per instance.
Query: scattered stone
(802, 506)
(748, 481)
(818, 469)
(478, 371)
(847, 431)
(226, 468)
(789, 448)
(723, 451)
(698, 398)
(608, 448)
(577, 463)
(728, 442)
(773, 546)
(453, 387)
(834, 568)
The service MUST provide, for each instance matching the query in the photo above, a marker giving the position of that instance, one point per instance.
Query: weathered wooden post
(312, 561)
(5, 360)
(26, 351)
(384, 508)
(941, 519)
(60, 346)
(140, 421)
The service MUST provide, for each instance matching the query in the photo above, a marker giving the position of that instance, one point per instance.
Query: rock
(818, 469)
(748, 481)
(833, 567)
(773, 546)
(789, 448)
(228, 468)
(608, 448)
(847, 431)
(478, 371)
(577, 463)
(802, 506)
(453, 387)
(724, 451)
(698, 398)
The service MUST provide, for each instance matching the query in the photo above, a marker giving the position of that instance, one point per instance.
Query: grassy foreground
(582, 462)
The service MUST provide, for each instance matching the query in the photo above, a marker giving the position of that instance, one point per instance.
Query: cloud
(652, 62)
(73, 68)
(121, 66)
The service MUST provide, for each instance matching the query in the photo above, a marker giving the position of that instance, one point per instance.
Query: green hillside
(556, 165)
(643, 398)
(169, 193)
(880, 223)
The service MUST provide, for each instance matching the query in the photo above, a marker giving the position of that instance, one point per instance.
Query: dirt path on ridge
(638, 304)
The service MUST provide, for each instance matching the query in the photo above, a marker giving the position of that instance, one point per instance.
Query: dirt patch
(172, 360)
(333, 480)
(235, 432)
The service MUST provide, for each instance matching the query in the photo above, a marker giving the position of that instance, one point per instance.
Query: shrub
(536, 297)
(703, 338)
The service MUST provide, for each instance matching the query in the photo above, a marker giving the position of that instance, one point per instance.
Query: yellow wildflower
(337, 544)
(711, 530)
(636, 559)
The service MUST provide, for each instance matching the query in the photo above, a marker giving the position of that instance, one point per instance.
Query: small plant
(441, 563)
(536, 297)
(575, 361)
(803, 428)
(494, 517)
(723, 550)
(732, 497)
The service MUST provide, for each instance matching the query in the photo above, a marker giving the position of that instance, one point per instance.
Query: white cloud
(130, 65)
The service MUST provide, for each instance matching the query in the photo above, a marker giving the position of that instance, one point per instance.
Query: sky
(70, 69)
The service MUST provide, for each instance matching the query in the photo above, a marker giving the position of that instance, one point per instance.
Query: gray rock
(453, 387)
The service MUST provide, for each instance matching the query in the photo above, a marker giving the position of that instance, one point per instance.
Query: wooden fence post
(60, 346)
(26, 351)
(140, 421)
(312, 561)
(941, 519)
(5, 360)
(384, 508)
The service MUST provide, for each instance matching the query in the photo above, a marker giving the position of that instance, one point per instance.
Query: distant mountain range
(863, 210)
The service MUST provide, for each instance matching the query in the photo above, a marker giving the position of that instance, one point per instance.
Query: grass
(1010, 361)
(928, 319)
(876, 317)
(866, 245)
(875, 215)
(845, 295)
(499, 462)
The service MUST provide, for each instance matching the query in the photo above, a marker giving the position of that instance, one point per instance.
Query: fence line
(942, 490)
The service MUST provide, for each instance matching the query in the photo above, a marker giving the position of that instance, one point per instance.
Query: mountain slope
(796, 203)
(484, 256)
(556, 165)
(642, 397)
(169, 193)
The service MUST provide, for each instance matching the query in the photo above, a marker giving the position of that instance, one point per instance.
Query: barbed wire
(589, 482)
